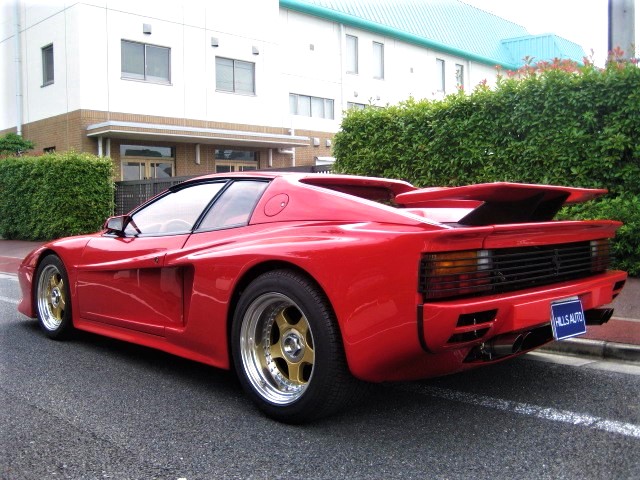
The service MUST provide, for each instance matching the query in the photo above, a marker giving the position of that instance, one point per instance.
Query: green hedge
(625, 208)
(558, 124)
(54, 195)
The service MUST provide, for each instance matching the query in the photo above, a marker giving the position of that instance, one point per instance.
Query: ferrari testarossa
(310, 285)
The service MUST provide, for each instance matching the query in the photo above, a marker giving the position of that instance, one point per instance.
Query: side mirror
(117, 224)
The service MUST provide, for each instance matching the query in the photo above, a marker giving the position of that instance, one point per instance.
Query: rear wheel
(52, 299)
(287, 349)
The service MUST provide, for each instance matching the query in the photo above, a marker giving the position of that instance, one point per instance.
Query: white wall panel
(45, 101)
(297, 54)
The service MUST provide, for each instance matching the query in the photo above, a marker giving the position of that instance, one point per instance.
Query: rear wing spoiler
(500, 202)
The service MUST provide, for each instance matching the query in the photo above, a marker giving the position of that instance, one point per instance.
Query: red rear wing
(502, 202)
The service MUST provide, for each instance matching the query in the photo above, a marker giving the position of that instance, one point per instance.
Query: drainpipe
(343, 65)
(18, 67)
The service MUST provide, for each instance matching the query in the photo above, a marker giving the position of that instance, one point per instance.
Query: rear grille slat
(512, 269)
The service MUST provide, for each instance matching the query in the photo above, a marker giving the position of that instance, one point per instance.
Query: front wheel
(52, 299)
(287, 349)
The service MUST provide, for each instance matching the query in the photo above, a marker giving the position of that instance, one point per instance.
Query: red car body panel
(177, 292)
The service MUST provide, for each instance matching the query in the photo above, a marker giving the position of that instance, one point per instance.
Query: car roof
(318, 179)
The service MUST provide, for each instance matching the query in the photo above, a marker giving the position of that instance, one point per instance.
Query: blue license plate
(567, 318)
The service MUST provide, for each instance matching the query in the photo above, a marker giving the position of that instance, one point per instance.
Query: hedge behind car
(54, 195)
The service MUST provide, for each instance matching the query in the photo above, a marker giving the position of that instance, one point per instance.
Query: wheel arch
(39, 257)
(254, 272)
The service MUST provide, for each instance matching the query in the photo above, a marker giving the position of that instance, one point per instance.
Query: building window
(229, 160)
(352, 54)
(140, 162)
(355, 106)
(235, 76)
(460, 76)
(440, 75)
(378, 60)
(308, 106)
(47, 65)
(149, 63)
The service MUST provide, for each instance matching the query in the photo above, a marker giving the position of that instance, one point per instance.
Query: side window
(47, 65)
(235, 205)
(149, 63)
(352, 54)
(235, 76)
(175, 212)
(378, 60)
(440, 80)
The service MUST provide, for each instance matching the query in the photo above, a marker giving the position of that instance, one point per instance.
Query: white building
(191, 87)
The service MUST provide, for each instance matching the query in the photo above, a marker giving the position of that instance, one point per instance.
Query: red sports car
(310, 285)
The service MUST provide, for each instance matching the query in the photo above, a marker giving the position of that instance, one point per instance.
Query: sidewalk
(12, 252)
(617, 339)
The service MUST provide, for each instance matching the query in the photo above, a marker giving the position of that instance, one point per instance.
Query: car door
(123, 278)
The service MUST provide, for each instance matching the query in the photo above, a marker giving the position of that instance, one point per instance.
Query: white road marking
(8, 276)
(545, 413)
(9, 300)
(626, 319)
(628, 368)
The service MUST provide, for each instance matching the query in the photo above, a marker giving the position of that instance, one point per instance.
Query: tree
(14, 144)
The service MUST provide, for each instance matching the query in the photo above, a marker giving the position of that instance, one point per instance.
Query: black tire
(52, 299)
(287, 349)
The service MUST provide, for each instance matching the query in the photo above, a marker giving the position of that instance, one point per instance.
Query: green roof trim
(364, 24)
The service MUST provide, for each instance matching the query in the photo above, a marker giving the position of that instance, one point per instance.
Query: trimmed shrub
(555, 124)
(625, 208)
(54, 195)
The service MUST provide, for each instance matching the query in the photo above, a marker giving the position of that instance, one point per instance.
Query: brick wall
(68, 131)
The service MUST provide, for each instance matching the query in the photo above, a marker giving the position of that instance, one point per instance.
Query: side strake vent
(485, 272)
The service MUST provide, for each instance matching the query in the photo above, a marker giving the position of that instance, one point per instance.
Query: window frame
(146, 160)
(460, 76)
(235, 89)
(378, 60)
(356, 106)
(227, 165)
(328, 105)
(48, 61)
(440, 75)
(131, 227)
(351, 54)
(220, 198)
(145, 67)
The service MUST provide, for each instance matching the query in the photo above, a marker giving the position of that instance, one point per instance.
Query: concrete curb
(595, 348)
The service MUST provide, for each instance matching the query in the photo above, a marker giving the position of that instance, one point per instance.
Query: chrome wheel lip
(50, 295)
(255, 344)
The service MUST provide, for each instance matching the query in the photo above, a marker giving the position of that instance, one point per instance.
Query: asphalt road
(97, 408)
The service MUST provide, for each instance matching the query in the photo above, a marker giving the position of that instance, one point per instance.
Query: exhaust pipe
(507, 344)
(597, 316)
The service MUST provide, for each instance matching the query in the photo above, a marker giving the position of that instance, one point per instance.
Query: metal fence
(131, 193)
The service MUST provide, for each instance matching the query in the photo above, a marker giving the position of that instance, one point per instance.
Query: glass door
(143, 162)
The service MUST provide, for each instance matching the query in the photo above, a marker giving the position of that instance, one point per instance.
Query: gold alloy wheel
(51, 297)
(277, 348)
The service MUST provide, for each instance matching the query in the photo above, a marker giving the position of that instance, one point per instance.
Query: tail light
(452, 274)
(600, 255)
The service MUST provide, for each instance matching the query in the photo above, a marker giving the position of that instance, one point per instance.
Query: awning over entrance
(177, 133)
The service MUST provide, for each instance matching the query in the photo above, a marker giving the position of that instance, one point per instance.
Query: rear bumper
(457, 324)
(452, 336)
